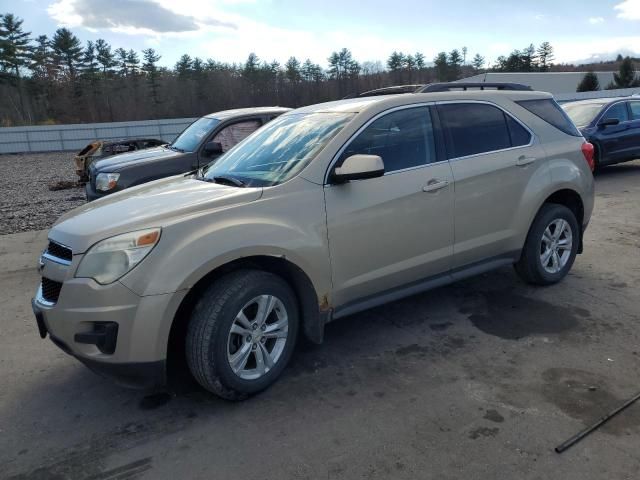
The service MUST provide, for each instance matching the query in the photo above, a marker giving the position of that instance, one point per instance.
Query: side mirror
(212, 148)
(608, 122)
(358, 167)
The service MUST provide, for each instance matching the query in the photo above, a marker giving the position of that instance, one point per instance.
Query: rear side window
(519, 135)
(617, 111)
(403, 139)
(549, 111)
(473, 128)
(635, 110)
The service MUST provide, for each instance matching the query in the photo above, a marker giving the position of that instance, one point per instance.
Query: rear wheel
(551, 246)
(242, 333)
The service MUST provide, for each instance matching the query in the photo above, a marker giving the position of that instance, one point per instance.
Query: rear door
(493, 157)
(393, 230)
(614, 139)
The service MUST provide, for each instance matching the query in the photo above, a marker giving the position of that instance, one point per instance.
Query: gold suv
(325, 211)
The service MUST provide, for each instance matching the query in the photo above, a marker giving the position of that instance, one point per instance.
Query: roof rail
(391, 90)
(446, 87)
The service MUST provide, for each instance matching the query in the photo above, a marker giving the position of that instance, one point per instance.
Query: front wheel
(551, 246)
(242, 333)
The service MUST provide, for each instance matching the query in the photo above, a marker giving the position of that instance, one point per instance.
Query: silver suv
(325, 211)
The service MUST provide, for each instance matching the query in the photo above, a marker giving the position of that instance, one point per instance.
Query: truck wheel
(551, 246)
(242, 333)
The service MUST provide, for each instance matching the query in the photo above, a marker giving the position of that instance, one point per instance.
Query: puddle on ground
(511, 316)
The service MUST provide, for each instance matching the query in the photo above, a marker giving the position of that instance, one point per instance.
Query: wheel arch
(313, 310)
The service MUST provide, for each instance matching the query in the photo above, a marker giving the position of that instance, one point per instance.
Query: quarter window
(618, 111)
(403, 139)
(474, 128)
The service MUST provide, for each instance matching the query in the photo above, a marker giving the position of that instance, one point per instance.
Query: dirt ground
(478, 380)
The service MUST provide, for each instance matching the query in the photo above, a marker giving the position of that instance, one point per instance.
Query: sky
(228, 30)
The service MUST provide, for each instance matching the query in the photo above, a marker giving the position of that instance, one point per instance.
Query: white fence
(51, 138)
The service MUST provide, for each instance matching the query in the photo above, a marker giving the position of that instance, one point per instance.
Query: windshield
(279, 150)
(582, 114)
(191, 137)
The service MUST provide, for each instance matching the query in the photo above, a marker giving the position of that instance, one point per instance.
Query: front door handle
(434, 185)
(523, 160)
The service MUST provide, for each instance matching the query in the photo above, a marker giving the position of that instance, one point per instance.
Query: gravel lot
(26, 202)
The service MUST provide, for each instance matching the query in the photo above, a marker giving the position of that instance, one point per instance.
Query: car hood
(117, 162)
(154, 204)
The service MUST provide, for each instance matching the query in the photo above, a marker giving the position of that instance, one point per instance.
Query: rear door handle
(435, 185)
(523, 160)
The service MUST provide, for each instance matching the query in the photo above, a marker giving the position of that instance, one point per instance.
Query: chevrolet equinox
(328, 210)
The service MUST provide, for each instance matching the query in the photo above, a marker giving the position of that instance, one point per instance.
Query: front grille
(50, 290)
(60, 251)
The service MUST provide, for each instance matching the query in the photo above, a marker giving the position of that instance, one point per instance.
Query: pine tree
(67, 51)
(455, 62)
(420, 61)
(292, 70)
(478, 62)
(15, 52)
(589, 83)
(150, 69)
(545, 56)
(442, 66)
(105, 57)
(626, 76)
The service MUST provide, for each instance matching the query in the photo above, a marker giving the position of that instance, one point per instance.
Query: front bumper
(137, 347)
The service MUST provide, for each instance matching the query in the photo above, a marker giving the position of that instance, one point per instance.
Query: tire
(531, 266)
(211, 345)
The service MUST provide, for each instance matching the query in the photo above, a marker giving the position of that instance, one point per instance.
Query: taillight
(588, 152)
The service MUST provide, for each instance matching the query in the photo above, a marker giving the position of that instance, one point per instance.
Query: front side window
(230, 136)
(617, 111)
(279, 150)
(474, 128)
(403, 139)
(191, 136)
(635, 110)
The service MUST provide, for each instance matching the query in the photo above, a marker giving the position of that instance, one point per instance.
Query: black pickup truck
(199, 144)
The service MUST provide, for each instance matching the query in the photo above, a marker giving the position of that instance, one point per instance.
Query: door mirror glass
(607, 122)
(359, 167)
(213, 148)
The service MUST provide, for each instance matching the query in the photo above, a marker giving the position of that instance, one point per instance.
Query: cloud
(628, 10)
(596, 20)
(128, 16)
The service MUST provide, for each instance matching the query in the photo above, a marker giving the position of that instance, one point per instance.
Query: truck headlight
(107, 181)
(110, 259)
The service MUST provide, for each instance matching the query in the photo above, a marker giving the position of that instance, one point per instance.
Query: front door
(614, 139)
(389, 231)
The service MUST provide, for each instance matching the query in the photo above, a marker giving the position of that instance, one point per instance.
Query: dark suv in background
(201, 142)
(612, 125)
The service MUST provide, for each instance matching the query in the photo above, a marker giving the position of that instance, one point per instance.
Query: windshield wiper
(226, 180)
(176, 149)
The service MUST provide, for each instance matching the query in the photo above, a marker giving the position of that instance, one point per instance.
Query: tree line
(61, 80)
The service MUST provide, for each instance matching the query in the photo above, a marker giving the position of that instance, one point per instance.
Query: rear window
(549, 111)
(475, 128)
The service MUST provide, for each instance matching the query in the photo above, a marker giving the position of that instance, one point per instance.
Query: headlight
(106, 181)
(111, 258)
